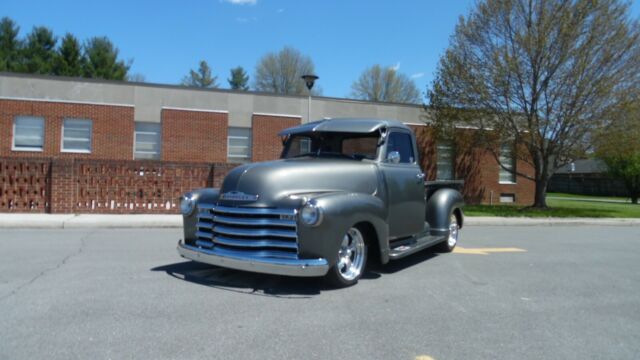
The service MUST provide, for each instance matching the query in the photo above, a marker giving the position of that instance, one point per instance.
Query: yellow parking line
(424, 357)
(485, 251)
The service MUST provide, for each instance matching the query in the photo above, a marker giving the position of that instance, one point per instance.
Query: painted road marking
(424, 357)
(485, 251)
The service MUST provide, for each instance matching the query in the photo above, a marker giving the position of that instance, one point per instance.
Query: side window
(445, 157)
(239, 145)
(401, 142)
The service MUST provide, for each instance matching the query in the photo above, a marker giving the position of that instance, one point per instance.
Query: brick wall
(112, 133)
(101, 186)
(264, 135)
(194, 136)
(481, 173)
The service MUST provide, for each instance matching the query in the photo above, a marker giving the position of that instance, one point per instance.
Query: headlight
(311, 214)
(187, 204)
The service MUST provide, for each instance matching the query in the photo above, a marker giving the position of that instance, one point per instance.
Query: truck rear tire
(452, 239)
(352, 259)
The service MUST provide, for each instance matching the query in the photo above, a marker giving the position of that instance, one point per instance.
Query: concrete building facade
(52, 117)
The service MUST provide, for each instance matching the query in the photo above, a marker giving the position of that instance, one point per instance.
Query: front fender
(439, 209)
(340, 212)
(207, 196)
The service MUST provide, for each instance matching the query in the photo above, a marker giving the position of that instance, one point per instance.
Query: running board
(412, 245)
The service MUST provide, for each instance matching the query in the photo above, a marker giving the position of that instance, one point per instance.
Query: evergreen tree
(201, 78)
(101, 60)
(68, 60)
(10, 45)
(239, 79)
(39, 51)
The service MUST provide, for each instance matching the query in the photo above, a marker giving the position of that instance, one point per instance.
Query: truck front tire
(352, 259)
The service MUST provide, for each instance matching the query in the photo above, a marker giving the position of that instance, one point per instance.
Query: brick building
(57, 118)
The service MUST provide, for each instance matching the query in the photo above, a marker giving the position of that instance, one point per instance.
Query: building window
(239, 145)
(445, 157)
(507, 198)
(28, 133)
(76, 135)
(508, 161)
(147, 138)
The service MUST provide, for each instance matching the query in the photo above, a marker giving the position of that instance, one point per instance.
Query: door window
(401, 142)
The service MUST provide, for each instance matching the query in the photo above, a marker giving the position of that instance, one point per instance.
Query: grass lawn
(580, 197)
(561, 208)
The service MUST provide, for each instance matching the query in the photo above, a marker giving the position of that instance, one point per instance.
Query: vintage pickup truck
(344, 190)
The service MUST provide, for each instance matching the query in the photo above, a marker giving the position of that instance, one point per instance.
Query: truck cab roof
(346, 125)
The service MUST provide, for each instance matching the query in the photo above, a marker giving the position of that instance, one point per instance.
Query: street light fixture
(309, 80)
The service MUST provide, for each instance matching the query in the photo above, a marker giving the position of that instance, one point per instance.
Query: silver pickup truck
(343, 191)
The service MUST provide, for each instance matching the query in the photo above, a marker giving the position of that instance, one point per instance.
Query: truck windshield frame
(354, 146)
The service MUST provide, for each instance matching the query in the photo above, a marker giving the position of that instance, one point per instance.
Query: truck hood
(274, 182)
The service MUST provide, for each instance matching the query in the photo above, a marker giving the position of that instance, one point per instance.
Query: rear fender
(440, 206)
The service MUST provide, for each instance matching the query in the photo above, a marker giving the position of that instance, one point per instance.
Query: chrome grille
(262, 232)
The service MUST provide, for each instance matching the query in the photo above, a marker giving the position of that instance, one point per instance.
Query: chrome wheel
(454, 232)
(351, 256)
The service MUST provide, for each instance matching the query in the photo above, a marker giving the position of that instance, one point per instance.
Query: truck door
(405, 185)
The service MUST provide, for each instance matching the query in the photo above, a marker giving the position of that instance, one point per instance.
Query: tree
(101, 60)
(280, 72)
(201, 78)
(618, 144)
(385, 85)
(542, 73)
(239, 79)
(68, 60)
(10, 45)
(39, 51)
(136, 77)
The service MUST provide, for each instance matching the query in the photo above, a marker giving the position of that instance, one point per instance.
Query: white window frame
(501, 169)
(230, 156)
(77, 151)
(32, 149)
(135, 141)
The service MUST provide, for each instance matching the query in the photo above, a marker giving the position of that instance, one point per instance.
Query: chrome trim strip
(254, 232)
(221, 240)
(250, 221)
(250, 211)
(205, 206)
(247, 262)
(204, 225)
(205, 235)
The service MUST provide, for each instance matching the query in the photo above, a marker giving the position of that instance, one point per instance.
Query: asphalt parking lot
(535, 292)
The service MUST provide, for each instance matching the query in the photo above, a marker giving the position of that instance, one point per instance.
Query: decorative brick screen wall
(101, 186)
(24, 185)
(266, 144)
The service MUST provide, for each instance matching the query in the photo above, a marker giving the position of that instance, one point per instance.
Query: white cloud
(241, 2)
(280, 11)
(395, 67)
(417, 75)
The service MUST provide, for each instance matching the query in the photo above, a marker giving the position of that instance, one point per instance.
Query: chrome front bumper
(239, 261)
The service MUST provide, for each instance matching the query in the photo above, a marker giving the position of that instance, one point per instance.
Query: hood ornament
(238, 196)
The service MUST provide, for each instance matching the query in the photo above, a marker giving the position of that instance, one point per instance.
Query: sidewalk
(71, 221)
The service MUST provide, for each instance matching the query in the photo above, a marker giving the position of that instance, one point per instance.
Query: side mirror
(393, 157)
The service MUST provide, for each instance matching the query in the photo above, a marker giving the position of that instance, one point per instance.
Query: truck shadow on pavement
(275, 285)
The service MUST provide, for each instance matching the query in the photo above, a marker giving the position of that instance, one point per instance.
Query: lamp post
(309, 80)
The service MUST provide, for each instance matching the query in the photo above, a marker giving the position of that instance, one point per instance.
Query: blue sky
(343, 37)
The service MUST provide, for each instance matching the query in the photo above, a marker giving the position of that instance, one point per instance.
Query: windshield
(348, 145)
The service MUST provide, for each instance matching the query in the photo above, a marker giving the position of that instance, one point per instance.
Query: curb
(71, 221)
(521, 221)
